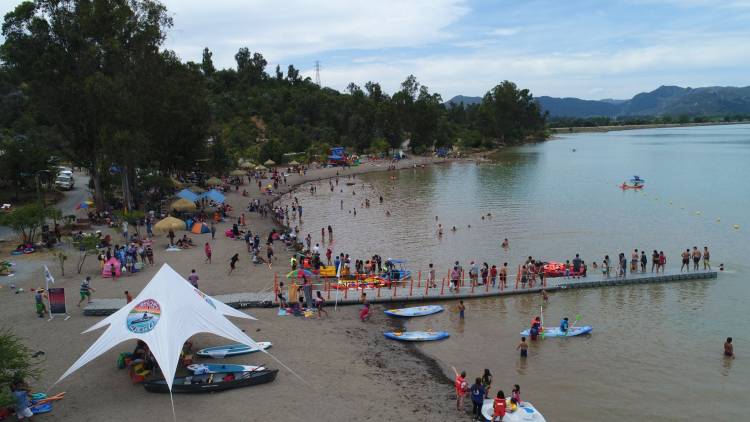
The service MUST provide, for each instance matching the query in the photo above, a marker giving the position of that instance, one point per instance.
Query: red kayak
(625, 186)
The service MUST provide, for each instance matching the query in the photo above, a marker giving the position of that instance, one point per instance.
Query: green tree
(27, 219)
(86, 246)
(15, 365)
(509, 114)
(82, 62)
(207, 64)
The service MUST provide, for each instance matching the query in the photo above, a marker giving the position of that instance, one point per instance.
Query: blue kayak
(219, 368)
(415, 311)
(231, 350)
(417, 335)
(555, 332)
(41, 408)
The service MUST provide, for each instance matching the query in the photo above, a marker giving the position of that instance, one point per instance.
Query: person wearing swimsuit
(685, 260)
(696, 258)
(706, 262)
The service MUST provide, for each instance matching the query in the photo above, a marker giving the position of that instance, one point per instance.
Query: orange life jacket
(498, 407)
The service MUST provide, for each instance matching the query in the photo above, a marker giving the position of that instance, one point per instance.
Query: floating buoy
(698, 213)
(736, 226)
(718, 220)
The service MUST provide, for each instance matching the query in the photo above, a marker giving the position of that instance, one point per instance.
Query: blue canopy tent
(188, 194)
(213, 195)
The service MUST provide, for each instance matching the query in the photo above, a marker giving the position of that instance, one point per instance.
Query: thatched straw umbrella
(183, 205)
(214, 181)
(169, 223)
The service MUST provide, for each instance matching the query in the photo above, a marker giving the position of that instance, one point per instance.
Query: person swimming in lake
(505, 244)
(523, 347)
(729, 348)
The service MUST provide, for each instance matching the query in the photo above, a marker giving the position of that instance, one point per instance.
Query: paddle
(541, 322)
(578, 318)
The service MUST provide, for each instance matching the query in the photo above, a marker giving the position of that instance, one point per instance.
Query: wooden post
(411, 286)
(442, 287)
(426, 287)
(328, 289)
(419, 279)
(395, 288)
(518, 277)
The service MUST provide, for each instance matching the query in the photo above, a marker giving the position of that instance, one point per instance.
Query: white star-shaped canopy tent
(165, 314)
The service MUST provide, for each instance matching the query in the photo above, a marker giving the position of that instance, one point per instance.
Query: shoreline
(615, 128)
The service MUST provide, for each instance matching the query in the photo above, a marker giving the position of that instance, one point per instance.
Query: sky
(589, 49)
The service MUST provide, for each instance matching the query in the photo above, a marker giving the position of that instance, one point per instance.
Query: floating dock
(417, 291)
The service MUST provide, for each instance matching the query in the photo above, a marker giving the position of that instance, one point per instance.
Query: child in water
(523, 347)
(461, 309)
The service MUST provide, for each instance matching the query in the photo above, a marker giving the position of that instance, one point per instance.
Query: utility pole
(317, 72)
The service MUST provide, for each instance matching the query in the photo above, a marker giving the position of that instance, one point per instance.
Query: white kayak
(526, 412)
(417, 335)
(232, 350)
(555, 332)
(415, 311)
(219, 368)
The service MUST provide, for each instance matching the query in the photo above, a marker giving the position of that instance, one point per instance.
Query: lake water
(656, 351)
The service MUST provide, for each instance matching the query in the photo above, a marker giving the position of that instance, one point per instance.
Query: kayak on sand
(231, 350)
(417, 335)
(555, 332)
(219, 368)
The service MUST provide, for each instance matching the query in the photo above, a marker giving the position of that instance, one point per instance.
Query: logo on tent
(144, 316)
(206, 298)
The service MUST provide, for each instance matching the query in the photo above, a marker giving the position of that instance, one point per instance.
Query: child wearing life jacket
(461, 387)
(498, 406)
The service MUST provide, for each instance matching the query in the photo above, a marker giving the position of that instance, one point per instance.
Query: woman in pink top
(207, 250)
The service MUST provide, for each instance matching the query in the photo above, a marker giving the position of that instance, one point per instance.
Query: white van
(64, 182)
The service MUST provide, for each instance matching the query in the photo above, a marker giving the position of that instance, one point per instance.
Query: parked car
(64, 182)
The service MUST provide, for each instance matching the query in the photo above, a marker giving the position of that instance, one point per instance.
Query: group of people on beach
(479, 391)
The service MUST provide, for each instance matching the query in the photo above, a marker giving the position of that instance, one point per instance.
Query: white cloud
(617, 73)
(284, 29)
(504, 32)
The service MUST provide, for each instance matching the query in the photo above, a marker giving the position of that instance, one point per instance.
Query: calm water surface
(656, 350)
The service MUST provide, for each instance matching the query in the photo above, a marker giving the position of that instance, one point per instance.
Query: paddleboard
(217, 368)
(415, 311)
(41, 408)
(417, 335)
(525, 413)
(555, 332)
(231, 350)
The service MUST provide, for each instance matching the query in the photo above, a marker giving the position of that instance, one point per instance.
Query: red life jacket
(498, 407)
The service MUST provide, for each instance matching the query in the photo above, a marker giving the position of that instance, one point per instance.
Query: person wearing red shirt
(498, 407)
(461, 388)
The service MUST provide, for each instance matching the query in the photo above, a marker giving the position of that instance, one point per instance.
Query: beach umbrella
(270, 162)
(168, 223)
(293, 163)
(299, 273)
(183, 205)
(85, 204)
(164, 315)
(214, 181)
(261, 167)
(197, 189)
(247, 165)
(238, 172)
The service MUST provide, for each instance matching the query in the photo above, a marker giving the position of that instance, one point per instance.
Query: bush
(15, 365)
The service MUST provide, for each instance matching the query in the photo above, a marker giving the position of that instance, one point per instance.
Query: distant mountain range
(665, 100)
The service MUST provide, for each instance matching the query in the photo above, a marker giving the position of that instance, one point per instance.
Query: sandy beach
(351, 372)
